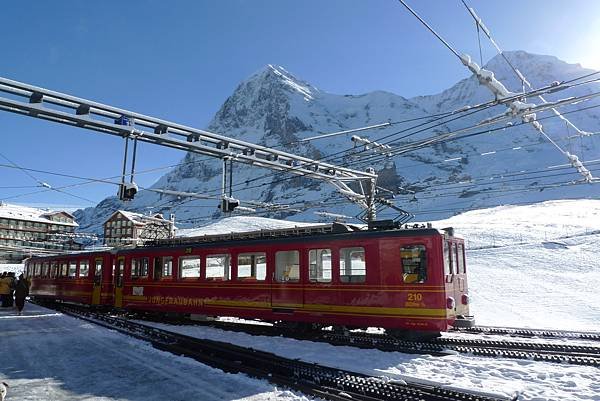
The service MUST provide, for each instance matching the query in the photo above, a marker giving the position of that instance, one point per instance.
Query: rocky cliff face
(276, 109)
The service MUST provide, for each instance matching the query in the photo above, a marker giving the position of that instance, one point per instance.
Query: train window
(157, 270)
(54, 270)
(454, 262)
(139, 267)
(189, 267)
(84, 268)
(353, 268)
(64, 269)
(287, 266)
(319, 265)
(167, 266)
(414, 264)
(461, 259)
(252, 266)
(446, 258)
(98, 271)
(45, 269)
(218, 267)
(72, 268)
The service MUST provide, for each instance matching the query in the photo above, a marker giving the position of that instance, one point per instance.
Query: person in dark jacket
(11, 288)
(21, 291)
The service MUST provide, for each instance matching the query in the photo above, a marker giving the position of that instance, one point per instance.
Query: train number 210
(415, 297)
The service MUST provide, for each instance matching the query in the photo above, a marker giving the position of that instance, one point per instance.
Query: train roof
(339, 230)
(301, 233)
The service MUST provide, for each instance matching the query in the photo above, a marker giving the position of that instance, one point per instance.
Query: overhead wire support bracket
(82, 113)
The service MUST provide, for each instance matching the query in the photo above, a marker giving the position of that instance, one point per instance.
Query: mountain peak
(275, 76)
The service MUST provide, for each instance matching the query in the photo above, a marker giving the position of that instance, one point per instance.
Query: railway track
(543, 352)
(563, 353)
(320, 381)
(524, 332)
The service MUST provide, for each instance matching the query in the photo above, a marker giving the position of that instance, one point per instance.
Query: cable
(448, 138)
(430, 29)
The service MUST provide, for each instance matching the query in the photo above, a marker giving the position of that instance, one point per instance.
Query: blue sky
(179, 60)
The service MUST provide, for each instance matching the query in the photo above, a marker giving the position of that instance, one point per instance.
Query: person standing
(11, 288)
(21, 291)
(4, 289)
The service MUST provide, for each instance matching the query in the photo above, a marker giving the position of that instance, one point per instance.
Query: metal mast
(70, 110)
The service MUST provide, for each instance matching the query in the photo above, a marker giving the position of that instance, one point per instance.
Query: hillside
(275, 108)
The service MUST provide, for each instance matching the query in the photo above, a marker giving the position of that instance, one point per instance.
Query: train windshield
(414, 264)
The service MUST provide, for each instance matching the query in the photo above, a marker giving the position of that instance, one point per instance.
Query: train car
(82, 277)
(405, 280)
(408, 281)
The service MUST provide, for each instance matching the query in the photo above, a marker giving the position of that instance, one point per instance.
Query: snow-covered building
(124, 228)
(26, 231)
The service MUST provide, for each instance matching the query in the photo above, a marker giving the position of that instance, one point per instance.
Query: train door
(118, 271)
(460, 280)
(455, 278)
(97, 289)
(286, 283)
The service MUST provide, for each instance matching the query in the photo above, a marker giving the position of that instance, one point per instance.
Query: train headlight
(464, 299)
(450, 303)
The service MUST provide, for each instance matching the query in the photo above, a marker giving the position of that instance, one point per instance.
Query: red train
(404, 280)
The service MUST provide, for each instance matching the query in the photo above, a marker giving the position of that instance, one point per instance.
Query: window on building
(353, 267)
(189, 267)
(252, 266)
(139, 267)
(167, 267)
(287, 266)
(84, 268)
(218, 267)
(414, 264)
(319, 265)
(72, 268)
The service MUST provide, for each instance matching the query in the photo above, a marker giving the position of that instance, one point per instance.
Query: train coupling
(464, 321)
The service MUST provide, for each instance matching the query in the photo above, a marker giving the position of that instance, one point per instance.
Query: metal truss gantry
(77, 112)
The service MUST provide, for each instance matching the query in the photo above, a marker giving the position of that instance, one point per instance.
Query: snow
(534, 266)
(19, 212)
(17, 268)
(239, 224)
(49, 356)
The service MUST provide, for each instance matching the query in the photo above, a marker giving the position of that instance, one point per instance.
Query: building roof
(138, 218)
(25, 213)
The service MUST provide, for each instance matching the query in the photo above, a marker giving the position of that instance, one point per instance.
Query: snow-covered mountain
(275, 108)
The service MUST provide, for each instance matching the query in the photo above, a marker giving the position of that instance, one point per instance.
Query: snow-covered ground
(240, 224)
(46, 356)
(534, 266)
(531, 265)
(533, 380)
